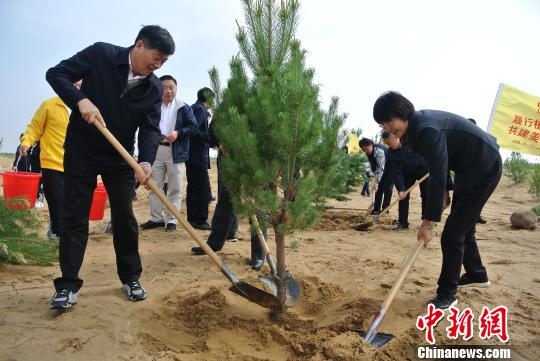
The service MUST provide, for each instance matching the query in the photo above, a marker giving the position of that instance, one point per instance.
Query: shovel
(380, 339)
(292, 288)
(366, 225)
(370, 208)
(242, 288)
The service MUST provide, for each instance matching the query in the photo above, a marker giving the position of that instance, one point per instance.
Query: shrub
(516, 168)
(534, 181)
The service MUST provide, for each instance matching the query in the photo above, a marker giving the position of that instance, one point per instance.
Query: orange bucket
(21, 185)
(97, 210)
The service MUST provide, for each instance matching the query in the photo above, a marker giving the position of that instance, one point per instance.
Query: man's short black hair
(364, 142)
(168, 77)
(156, 37)
(392, 105)
(204, 94)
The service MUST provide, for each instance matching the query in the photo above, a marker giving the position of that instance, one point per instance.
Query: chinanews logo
(491, 323)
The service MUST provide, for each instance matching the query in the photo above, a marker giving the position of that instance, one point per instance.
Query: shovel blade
(270, 282)
(292, 288)
(293, 291)
(380, 339)
(363, 227)
(256, 295)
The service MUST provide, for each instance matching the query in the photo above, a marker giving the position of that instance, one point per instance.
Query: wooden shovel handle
(264, 246)
(260, 235)
(404, 270)
(409, 190)
(159, 193)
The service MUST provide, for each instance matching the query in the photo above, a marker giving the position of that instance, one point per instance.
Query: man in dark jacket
(198, 184)
(121, 92)
(382, 183)
(404, 167)
(177, 126)
(225, 221)
(448, 142)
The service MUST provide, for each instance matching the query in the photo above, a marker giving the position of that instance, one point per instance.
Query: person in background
(225, 221)
(382, 184)
(198, 184)
(48, 127)
(21, 162)
(177, 126)
(404, 167)
(368, 174)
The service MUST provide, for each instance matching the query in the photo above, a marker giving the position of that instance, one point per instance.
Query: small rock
(523, 220)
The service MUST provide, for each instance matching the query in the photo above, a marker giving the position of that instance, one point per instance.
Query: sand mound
(339, 220)
(346, 346)
(201, 313)
(344, 220)
(317, 328)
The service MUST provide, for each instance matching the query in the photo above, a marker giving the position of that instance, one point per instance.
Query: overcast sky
(448, 55)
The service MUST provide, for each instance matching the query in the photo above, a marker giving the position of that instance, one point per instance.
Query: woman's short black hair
(204, 93)
(392, 105)
(364, 142)
(156, 37)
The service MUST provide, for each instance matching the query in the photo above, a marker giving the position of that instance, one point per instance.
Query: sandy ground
(191, 315)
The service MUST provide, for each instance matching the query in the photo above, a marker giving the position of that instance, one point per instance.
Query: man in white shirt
(177, 125)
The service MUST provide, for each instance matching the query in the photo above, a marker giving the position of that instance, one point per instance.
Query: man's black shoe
(466, 281)
(63, 299)
(202, 226)
(374, 212)
(151, 224)
(481, 220)
(134, 291)
(444, 303)
(198, 251)
(170, 227)
(257, 264)
(400, 226)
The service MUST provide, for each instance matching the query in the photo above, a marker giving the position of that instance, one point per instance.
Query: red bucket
(97, 210)
(22, 185)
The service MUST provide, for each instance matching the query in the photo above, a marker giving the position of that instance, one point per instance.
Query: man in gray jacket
(177, 125)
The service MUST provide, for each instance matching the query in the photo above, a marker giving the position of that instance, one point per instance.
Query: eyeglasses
(385, 125)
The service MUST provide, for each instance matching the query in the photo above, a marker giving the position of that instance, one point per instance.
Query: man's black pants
(225, 224)
(403, 205)
(79, 185)
(197, 193)
(384, 193)
(458, 242)
(53, 187)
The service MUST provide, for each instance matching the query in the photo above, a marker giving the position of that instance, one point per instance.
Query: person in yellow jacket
(48, 126)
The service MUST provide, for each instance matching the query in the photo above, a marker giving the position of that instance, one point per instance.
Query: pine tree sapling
(281, 149)
(18, 242)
